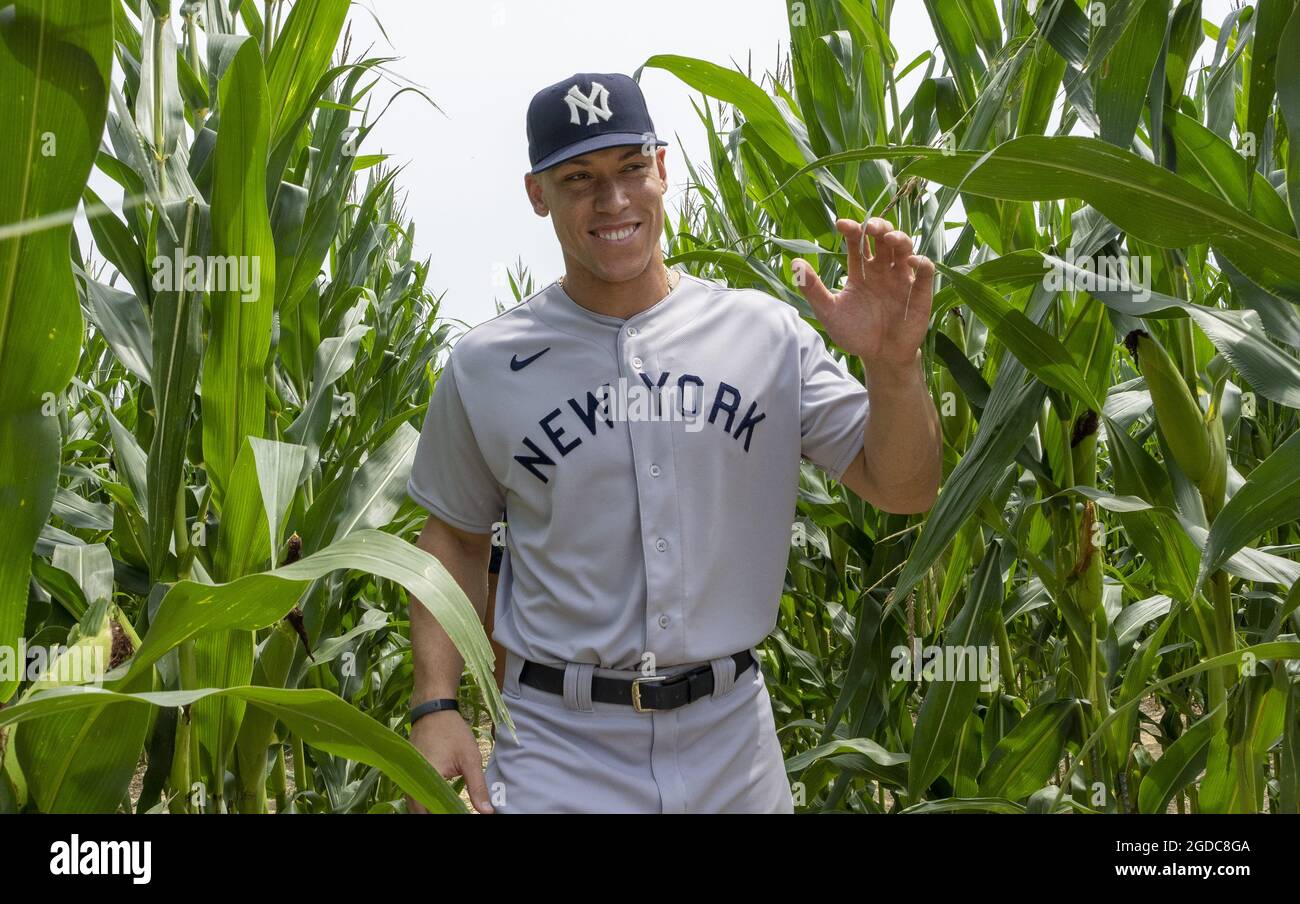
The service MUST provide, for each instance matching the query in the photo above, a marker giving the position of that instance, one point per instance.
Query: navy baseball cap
(586, 112)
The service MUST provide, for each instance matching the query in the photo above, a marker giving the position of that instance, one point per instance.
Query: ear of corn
(1215, 482)
(88, 655)
(1083, 448)
(1180, 417)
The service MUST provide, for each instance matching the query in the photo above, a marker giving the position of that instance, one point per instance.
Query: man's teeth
(617, 234)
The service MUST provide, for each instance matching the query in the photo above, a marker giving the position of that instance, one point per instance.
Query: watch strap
(433, 706)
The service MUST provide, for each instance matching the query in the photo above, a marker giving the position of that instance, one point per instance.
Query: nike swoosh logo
(516, 364)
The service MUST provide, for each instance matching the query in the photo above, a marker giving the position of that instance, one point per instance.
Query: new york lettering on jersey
(650, 467)
(656, 400)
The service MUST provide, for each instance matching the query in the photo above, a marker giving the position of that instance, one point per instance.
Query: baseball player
(642, 428)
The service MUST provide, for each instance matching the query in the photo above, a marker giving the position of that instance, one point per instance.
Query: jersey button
(654, 470)
(637, 362)
(663, 621)
(661, 544)
(631, 331)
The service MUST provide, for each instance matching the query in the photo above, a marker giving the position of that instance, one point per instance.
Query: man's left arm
(900, 463)
(882, 315)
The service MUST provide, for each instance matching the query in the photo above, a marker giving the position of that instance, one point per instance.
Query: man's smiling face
(607, 208)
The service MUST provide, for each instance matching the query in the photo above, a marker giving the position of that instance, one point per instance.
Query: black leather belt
(652, 692)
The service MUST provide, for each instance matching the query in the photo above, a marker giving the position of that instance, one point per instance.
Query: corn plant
(1117, 523)
(209, 414)
(203, 469)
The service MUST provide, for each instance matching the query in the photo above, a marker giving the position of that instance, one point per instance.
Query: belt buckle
(636, 691)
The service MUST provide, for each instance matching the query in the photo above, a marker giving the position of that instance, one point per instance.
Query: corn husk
(1180, 418)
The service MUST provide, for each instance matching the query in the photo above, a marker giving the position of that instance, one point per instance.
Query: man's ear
(533, 188)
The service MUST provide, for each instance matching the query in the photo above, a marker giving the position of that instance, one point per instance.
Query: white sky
(482, 61)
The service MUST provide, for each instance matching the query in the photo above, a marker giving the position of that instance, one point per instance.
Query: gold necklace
(674, 277)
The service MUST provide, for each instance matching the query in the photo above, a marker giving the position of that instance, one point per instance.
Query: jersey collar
(567, 314)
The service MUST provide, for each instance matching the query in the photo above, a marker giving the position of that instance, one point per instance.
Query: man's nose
(610, 195)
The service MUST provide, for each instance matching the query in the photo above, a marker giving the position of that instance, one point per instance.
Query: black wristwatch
(433, 706)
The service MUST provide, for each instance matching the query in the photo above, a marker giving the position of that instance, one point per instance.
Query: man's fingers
(923, 281)
(869, 242)
(476, 785)
(820, 298)
(866, 249)
(853, 238)
(875, 230)
(414, 806)
(897, 247)
(864, 245)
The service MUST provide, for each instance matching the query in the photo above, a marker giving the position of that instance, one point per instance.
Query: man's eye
(574, 177)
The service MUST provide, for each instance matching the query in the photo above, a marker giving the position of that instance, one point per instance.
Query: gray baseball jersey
(649, 468)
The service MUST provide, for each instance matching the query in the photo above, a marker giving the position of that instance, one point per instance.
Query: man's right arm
(445, 738)
(438, 664)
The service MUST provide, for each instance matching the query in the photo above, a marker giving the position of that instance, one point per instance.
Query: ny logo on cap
(599, 95)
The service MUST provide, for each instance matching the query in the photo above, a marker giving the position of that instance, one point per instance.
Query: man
(643, 429)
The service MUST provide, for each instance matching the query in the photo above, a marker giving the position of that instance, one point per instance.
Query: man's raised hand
(883, 310)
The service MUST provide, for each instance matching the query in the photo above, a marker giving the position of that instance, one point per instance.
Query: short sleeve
(832, 405)
(450, 477)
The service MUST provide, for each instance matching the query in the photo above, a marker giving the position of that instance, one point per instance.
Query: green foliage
(1119, 589)
(237, 427)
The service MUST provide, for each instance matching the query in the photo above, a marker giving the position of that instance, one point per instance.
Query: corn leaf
(177, 350)
(1028, 755)
(234, 401)
(1288, 103)
(1272, 16)
(949, 702)
(300, 55)
(1269, 497)
(1141, 198)
(320, 718)
(54, 65)
(83, 761)
(1039, 351)
(191, 609)
(1122, 73)
(1179, 765)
